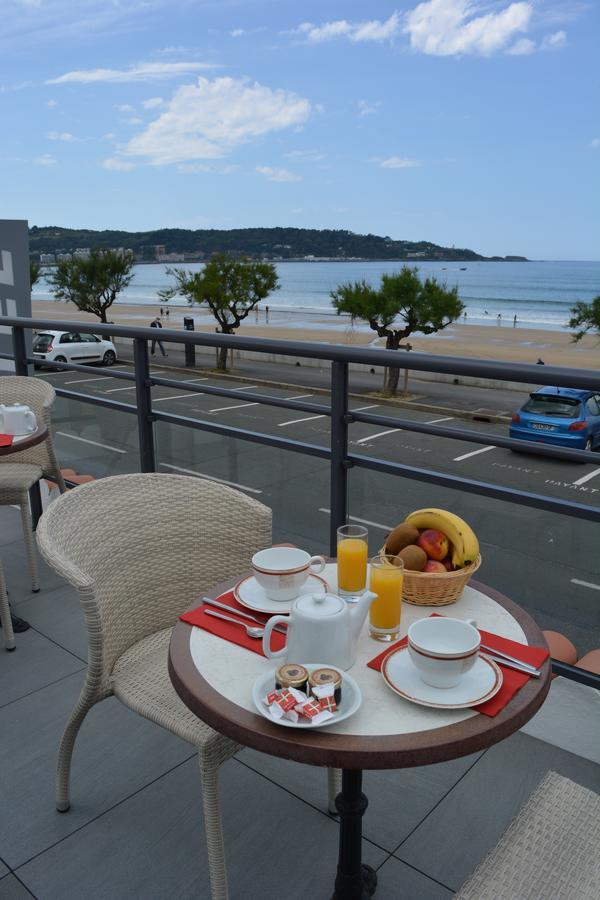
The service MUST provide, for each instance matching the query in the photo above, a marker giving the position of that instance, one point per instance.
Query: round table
(214, 679)
(24, 442)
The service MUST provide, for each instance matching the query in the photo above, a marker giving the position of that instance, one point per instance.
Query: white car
(72, 347)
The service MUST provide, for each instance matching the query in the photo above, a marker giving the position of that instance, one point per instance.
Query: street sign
(15, 293)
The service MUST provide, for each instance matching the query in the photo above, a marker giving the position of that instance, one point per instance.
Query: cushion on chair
(549, 851)
(140, 679)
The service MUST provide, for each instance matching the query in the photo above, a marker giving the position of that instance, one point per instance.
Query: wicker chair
(140, 549)
(21, 471)
(5, 620)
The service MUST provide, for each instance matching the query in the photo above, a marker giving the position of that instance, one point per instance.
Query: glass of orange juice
(352, 555)
(387, 576)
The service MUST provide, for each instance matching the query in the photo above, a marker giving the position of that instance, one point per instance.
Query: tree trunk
(392, 373)
(103, 315)
(222, 359)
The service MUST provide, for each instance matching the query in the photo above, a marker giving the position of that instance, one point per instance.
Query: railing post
(144, 405)
(339, 452)
(19, 350)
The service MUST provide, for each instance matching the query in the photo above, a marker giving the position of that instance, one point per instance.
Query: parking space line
(194, 380)
(130, 387)
(361, 521)
(299, 396)
(474, 453)
(189, 395)
(362, 408)
(223, 408)
(588, 584)
(295, 421)
(587, 477)
(76, 437)
(243, 487)
(85, 380)
(435, 421)
(248, 387)
(372, 437)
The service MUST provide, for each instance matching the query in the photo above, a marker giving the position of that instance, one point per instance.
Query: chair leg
(209, 775)
(9, 637)
(65, 751)
(334, 786)
(28, 538)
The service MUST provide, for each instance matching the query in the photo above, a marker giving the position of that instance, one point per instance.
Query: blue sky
(467, 123)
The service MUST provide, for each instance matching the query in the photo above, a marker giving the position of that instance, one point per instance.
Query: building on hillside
(47, 259)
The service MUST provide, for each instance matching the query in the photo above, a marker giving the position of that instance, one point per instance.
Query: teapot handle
(271, 654)
(31, 419)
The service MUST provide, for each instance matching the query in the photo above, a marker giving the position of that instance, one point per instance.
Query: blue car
(564, 417)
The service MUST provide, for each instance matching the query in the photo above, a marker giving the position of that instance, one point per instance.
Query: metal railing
(340, 459)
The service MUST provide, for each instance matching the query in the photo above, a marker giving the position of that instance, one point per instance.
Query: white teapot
(322, 628)
(17, 419)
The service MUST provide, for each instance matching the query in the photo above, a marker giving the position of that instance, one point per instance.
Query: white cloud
(135, 120)
(152, 102)
(196, 168)
(399, 162)
(523, 47)
(65, 136)
(45, 160)
(306, 155)
(154, 71)
(277, 174)
(554, 41)
(126, 108)
(365, 107)
(51, 103)
(117, 165)
(595, 144)
(209, 119)
(237, 32)
(374, 30)
(454, 27)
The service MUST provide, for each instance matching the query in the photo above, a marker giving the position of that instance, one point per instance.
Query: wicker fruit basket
(435, 588)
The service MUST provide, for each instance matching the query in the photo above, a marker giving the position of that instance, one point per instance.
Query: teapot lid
(320, 604)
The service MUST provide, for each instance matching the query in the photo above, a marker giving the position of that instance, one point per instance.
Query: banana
(465, 546)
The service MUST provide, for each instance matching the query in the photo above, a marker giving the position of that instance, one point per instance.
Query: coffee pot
(17, 419)
(322, 628)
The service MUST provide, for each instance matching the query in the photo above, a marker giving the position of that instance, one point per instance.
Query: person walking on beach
(540, 362)
(156, 323)
(515, 322)
(499, 319)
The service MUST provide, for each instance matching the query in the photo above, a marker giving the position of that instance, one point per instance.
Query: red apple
(448, 564)
(434, 543)
(434, 566)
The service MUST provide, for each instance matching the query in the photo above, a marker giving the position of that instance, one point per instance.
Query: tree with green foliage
(92, 282)
(34, 273)
(400, 306)
(230, 288)
(585, 317)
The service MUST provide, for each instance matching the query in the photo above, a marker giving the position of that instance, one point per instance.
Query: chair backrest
(142, 548)
(40, 396)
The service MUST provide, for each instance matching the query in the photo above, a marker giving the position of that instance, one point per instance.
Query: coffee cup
(17, 419)
(282, 571)
(443, 649)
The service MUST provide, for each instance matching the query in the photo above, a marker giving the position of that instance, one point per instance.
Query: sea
(538, 293)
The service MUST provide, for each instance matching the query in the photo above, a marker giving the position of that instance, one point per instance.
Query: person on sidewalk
(156, 323)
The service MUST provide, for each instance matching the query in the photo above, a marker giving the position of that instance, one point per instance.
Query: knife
(520, 662)
(236, 612)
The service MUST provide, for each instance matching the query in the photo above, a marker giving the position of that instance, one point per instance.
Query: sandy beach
(486, 342)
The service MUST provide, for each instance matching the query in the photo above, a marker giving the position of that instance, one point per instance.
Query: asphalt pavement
(548, 563)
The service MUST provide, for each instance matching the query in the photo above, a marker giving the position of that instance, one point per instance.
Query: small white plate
(480, 684)
(250, 594)
(351, 698)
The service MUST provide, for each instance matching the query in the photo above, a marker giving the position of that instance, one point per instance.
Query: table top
(215, 678)
(24, 441)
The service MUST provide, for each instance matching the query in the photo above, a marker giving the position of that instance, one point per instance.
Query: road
(550, 564)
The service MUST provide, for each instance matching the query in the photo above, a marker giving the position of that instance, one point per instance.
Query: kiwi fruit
(413, 557)
(400, 537)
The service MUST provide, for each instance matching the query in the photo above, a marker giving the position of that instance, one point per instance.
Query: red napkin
(227, 630)
(6, 440)
(512, 681)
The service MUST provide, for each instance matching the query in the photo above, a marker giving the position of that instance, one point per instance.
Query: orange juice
(352, 564)
(384, 615)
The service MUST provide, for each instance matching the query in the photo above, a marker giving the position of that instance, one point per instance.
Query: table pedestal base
(354, 880)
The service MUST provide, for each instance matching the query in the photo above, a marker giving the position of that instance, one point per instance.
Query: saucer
(351, 698)
(250, 594)
(481, 683)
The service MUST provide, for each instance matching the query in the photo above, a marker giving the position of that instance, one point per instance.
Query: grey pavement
(135, 828)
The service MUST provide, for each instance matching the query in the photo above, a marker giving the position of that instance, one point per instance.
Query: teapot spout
(358, 612)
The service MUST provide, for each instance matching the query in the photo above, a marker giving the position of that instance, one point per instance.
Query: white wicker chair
(9, 637)
(140, 549)
(20, 471)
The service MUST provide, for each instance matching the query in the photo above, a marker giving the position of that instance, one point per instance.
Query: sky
(474, 124)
